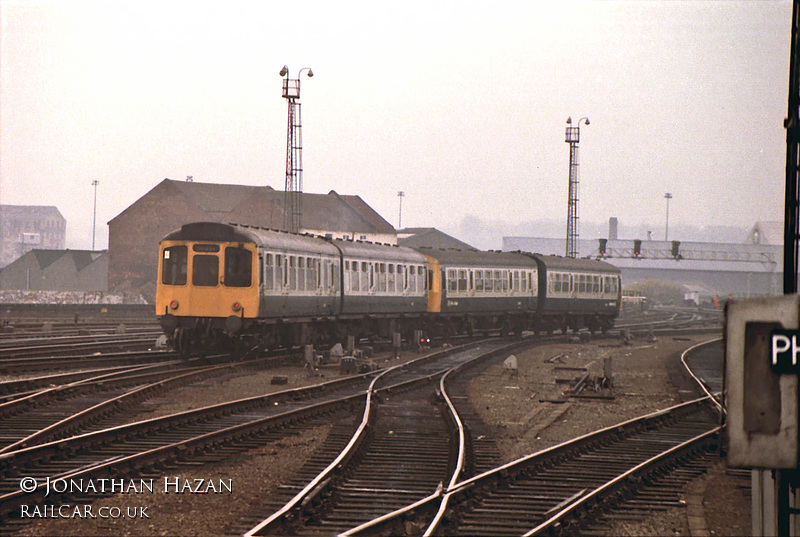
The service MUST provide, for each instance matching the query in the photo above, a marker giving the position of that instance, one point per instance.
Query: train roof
(265, 238)
(208, 231)
(363, 249)
(478, 258)
(571, 263)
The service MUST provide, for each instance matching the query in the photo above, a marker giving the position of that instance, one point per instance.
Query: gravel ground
(516, 405)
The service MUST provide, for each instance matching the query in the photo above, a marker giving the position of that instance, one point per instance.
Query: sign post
(762, 361)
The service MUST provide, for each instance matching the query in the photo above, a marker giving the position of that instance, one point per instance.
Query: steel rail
(443, 373)
(583, 499)
(327, 471)
(114, 403)
(702, 383)
(518, 465)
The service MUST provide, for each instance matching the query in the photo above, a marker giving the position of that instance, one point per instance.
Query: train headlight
(237, 306)
(173, 305)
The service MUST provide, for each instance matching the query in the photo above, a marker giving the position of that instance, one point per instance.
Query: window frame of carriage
(490, 281)
(283, 272)
(381, 277)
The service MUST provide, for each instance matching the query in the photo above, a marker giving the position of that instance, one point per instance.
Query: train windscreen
(173, 266)
(238, 267)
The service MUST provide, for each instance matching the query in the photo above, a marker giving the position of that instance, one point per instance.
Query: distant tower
(292, 204)
(613, 226)
(572, 138)
(400, 212)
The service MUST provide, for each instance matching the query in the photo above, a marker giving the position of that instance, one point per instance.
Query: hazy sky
(460, 104)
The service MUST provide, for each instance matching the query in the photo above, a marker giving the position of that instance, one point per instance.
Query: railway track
(135, 447)
(102, 398)
(623, 471)
(307, 407)
(403, 449)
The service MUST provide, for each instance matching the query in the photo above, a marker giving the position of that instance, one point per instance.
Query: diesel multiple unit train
(219, 284)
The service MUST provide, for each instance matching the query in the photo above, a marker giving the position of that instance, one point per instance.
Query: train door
(434, 285)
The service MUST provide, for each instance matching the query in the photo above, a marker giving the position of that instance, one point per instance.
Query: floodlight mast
(572, 138)
(292, 206)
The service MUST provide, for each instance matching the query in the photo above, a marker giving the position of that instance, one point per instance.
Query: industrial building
(57, 270)
(134, 234)
(27, 227)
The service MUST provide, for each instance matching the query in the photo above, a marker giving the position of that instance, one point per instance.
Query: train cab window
(174, 265)
(205, 270)
(238, 267)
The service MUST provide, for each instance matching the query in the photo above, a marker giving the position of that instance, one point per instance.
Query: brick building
(27, 227)
(133, 235)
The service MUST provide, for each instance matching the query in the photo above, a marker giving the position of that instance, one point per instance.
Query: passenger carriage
(221, 283)
(577, 293)
(481, 290)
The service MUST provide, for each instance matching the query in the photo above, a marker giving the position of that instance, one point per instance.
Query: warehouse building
(133, 235)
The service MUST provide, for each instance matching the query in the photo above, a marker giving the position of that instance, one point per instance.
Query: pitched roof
(429, 237)
(81, 258)
(330, 211)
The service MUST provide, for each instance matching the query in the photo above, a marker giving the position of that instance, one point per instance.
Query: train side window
(292, 273)
(382, 277)
(312, 280)
(479, 281)
(301, 273)
(174, 265)
(262, 274)
(205, 270)
(390, 279)
(269, 272)
(462, 280)
(452, 285)
(280, 273)
(238, 267)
